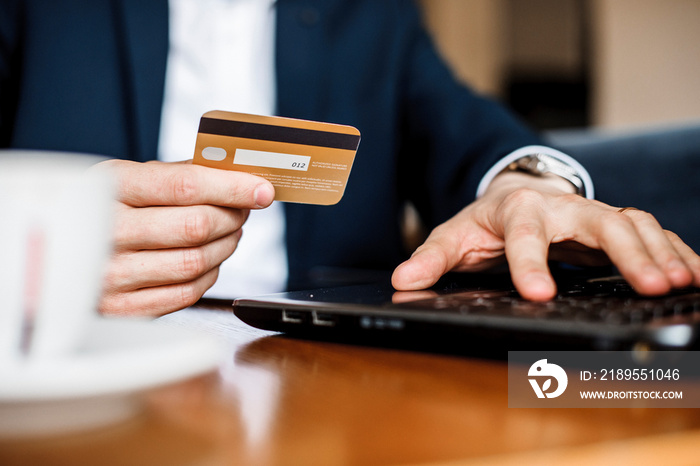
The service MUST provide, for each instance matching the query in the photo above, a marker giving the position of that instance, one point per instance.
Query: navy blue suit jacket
(88, 76)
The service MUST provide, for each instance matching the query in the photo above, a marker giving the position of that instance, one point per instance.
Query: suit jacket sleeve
(451, 135)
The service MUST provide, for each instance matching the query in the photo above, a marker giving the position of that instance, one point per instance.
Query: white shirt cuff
(529, 150)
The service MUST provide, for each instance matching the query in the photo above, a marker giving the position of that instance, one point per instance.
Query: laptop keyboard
(609, 300)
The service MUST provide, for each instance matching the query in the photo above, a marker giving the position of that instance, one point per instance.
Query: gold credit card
(306, 161)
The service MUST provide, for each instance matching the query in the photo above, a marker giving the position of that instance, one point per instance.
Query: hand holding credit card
(306, 161)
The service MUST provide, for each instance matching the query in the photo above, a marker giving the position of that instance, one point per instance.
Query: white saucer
(105, 380)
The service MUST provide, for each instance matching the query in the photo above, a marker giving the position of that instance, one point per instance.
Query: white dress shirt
(221, 57)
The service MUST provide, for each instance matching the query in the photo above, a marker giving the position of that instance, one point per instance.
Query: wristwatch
(538, 164)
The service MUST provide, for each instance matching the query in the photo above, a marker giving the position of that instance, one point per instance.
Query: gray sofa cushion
(656, 170)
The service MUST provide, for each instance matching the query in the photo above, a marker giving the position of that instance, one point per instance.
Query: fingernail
(264, 195)
(538, 286)
(679, 273)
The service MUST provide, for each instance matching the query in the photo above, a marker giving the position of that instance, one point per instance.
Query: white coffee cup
(56, 216)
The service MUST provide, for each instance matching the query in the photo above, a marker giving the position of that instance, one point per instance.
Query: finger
(618, 237)
(148, 268)
(429, 262)
(160, 300)
(527, 246)
(161, 184)
(460, 244)
(174, 227)
(689, 256)
(660, 248)
(413, 295)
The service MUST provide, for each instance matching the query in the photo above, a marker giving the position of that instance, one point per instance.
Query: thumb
(424, 268)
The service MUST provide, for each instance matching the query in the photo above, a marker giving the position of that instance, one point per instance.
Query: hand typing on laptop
(527, 220)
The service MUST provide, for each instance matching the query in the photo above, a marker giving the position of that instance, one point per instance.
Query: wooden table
(282, 401)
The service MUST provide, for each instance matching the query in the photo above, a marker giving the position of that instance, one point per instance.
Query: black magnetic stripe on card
(308, 137)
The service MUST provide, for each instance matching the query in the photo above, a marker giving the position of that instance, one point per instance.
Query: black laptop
(466, 310)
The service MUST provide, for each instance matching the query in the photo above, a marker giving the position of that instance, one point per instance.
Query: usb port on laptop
(323, 319)
(292, 317)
